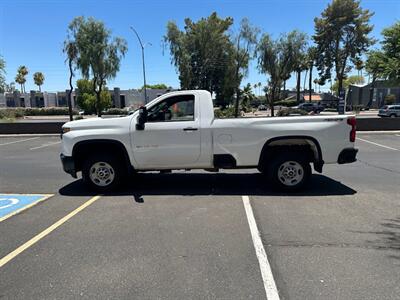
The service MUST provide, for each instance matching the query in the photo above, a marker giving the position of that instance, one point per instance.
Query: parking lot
(194, 235)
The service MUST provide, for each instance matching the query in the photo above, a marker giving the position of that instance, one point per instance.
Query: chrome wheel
(102, 174)
(290, 173)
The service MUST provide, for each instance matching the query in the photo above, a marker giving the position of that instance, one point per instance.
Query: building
(372, 95)
(120, 98)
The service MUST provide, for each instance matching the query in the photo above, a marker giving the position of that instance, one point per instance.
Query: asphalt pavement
(187, 235)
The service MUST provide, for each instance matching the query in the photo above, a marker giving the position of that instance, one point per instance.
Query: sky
(32, 32)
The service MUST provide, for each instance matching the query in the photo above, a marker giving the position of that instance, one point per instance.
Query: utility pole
(144, 69)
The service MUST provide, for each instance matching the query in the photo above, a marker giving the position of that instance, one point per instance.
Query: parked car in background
(310, 107)
(262, 107)
(391, 111)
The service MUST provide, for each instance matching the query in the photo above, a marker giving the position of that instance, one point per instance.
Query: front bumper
(347, 156)
(68, 164)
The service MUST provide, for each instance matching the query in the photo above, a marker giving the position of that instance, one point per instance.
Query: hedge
(290, 112)
(288, 103)
(21, 112)
(115, 111)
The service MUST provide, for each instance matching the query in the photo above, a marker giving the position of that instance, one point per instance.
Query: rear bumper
(347, 156)
(68, 164)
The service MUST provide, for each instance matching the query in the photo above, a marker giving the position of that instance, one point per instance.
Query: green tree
(72, 56)
(311, 58)
(385, 63)
(247, 97)
(341, 36)
(354, 79)
(391, 49)
(2, 75)
(98, 54)
(203, 55)
(87, 99)
(359, 66)
(297, 43)
(38, 78)
(245, 42)
(375, 64)
(158, 86)
(273, 57)
(20, 78)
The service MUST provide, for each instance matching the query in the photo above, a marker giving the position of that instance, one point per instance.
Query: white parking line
(45, 145)
(376, 144)
(19, 141)
(268, 279)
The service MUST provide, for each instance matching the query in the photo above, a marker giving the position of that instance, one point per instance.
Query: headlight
(65, 129)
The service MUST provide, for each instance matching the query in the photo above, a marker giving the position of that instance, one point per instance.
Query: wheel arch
(83, 148)
(269, 149)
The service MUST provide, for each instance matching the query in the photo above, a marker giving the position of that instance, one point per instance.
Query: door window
(173, 109)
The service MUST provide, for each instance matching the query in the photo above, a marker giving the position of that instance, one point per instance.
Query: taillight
(352, 122)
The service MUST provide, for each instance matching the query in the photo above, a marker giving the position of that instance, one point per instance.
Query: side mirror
(142, 118)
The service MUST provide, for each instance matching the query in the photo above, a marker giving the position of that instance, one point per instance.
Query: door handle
(190, 129)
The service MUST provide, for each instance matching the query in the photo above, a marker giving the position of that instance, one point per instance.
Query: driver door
(171, 137)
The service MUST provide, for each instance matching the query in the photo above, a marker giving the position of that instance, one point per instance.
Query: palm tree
(359, 64)
(21, 73)
(20, 79)
(38, 78)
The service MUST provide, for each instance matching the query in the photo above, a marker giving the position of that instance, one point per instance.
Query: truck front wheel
(102, 173)
(289, 171)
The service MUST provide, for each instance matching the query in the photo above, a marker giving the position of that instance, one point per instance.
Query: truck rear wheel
(289, 172)
(102, 172)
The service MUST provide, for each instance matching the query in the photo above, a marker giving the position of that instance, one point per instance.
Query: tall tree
(341, 36)
(203, 55)
(72, 56)
(359, 66)
(273, 57)
(311, 58)
(245, 42)
(38, 78)
(99, 55)
(2, 75)
(21, 77)
(297, 43)
(385, 63)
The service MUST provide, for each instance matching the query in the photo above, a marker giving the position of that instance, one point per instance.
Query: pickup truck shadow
(193, 184)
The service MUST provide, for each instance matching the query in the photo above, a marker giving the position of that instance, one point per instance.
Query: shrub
(34, 111)
(228, 112)
(290, 112)
(288, 103)
(390, 99)
(115, 111)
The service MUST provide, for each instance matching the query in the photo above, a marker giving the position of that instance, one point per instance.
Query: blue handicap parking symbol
(11, 204)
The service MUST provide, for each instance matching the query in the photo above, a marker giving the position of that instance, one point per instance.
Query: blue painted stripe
(11, 203)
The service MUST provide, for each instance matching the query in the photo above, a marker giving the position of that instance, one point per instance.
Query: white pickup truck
(178, 130)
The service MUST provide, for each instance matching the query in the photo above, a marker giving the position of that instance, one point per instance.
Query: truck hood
(97, 123)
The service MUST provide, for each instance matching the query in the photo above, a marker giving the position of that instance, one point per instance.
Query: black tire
(102, 164)
(297, 172)
(393, 116)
